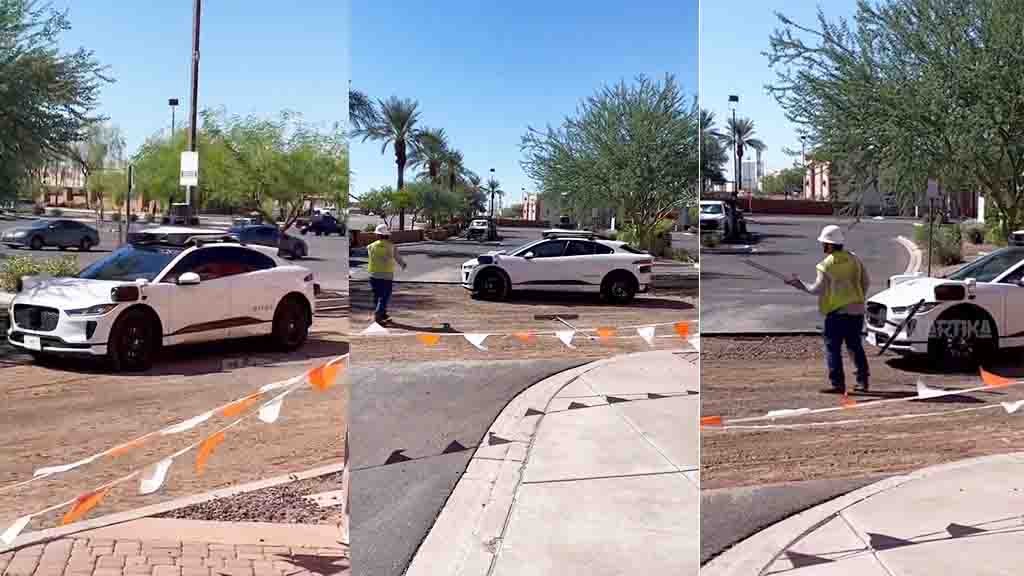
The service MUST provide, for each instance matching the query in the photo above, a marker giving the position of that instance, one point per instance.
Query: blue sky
(256, 58)
(733, 36)
(485, 70)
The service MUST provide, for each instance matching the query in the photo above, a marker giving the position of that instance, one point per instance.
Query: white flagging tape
(477, 340)
(375, 329)
(850, 421)
(647, 333)
(566, 337)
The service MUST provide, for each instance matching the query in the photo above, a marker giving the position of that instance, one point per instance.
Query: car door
(203, 311)
(256, 291)
(1013, 322)
(539, 266)
(55, 233)
(575, 270)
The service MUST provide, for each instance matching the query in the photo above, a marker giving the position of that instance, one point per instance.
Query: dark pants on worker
(839, 329)
(381, 295)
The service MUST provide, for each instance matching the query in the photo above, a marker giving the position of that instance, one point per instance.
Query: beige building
(535, 209)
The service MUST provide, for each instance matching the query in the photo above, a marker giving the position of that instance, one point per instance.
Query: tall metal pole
(197, 11)
(931, 224)
(735, 157)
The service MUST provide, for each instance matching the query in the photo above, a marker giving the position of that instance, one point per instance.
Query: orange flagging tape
(206, 449)
(604, 333)
(127, 447)
(994, 380)
(236, 408)
(525, 337)
(848, 402)
(323, 377)
(83, 504)
(711, 421)
(683, 329)
(429, 339)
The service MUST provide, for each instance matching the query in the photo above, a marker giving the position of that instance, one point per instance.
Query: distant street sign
(189, 169)
(933, 189)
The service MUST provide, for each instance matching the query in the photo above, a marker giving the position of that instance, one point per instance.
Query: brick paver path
(104, 557)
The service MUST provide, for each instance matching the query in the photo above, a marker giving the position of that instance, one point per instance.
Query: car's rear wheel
(37, 243)
(619, 288)
(133, 342)
(492, 285)
(962, 338)
(85, 245)
(291, 324)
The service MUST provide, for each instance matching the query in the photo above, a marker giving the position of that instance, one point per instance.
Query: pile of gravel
(282, 504)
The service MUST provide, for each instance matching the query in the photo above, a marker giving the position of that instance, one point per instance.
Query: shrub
(709, 239)
(947, 243)
(369, 228)
(974, 233)
(15, 267)
(38, 210)
(55, 212)
(115, 216)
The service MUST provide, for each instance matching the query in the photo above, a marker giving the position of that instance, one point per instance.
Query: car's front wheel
(291, 324)
(619, 288)
(962, 339)
(133, 342)
(37, 243)
(492, 285)
(85, 245)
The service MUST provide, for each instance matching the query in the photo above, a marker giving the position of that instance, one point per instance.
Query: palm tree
(361, 110)
(713, 154)
(493, 187)
(741, 131)
(456, 171)
(395, 124)
(430, 152)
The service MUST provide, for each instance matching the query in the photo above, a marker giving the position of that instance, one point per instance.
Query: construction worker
(383, 256)
(841, 286)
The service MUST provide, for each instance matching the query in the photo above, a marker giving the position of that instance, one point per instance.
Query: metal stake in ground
(561, 318)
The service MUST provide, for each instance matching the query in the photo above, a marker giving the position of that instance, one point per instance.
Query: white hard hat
(382, 230)
(831, 234)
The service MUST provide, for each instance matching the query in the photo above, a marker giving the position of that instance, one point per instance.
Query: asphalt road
(738, 298)
(328, 255)
(419, 408)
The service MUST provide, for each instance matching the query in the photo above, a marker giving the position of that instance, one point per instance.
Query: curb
(916, 256)
(466, 536)
(163, 507)
(738, 250)
(754, 554)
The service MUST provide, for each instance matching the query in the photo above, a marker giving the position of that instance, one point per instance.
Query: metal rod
(899, 328)
(197, 11)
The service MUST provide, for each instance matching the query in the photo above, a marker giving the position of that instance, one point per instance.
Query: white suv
(167, 286)
(569, 263)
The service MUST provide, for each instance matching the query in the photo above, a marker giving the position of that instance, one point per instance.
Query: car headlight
(19, 234)
(97, 310)
(922, 309)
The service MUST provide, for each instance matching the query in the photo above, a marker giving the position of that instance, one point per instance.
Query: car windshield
(130, 263)
(479, 223)
(41, 223)
(988, 268)
(710, 208)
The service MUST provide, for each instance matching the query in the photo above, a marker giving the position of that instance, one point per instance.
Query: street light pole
(492, 194)
(734, 101)
(173, 103)
(803, 162)
(196, 12)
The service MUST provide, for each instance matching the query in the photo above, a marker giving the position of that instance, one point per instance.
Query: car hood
(712, 216)
(910, 292)
(11, 231)
(66, 292)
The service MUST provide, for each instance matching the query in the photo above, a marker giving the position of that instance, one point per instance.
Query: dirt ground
(72, 409)
(427, 307)
(750, 376)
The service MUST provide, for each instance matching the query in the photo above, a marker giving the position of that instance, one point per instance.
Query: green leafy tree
(395, 125)
(103, 147)
(47, 98)
(788, 181)
(430, 153)
(377, 201)
(492, 188)
(713, 153)
(632, 148)
(512, 211)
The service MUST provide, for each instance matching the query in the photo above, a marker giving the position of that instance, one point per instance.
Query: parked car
(268, 235)
(963, 318)
(166, 286)
(324, 225)
(567, 263)
(721, 217)
(482, 229)
(61, 233)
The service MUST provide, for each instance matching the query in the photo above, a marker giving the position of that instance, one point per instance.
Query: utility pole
(197, 11)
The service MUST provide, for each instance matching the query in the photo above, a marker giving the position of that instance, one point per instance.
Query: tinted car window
(602, 249)
(131, 263)
(986, 269)
(578, 248)
(220, 262)
(551, 249)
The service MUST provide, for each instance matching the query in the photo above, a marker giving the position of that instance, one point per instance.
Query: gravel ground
(280, 504)
(750, 376)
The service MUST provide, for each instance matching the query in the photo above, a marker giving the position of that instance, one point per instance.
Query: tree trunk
(400, 161)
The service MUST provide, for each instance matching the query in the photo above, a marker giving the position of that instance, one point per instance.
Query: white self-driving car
(166, 286)
(963, 317)
(562, 263)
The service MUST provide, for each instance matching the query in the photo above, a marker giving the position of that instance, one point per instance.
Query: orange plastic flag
(429, 339)
(848, 402)
(206, 449)
(683, 329)
(604, 333)
(524, 337)
(711, 421)
(83, 504)
(236, 408)
(323, 377)
(126, 447)
(994, 380)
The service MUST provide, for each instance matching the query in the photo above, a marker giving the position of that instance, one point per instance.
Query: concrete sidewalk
(168, 547)
(957, 518)
(593, 471)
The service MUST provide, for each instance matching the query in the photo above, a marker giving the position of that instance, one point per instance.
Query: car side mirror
(529, 256)
(188, 279)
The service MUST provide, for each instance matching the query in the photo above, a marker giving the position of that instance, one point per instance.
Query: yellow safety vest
(382, 257)
(844, 282)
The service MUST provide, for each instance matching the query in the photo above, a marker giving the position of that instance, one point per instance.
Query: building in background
(753, 172)
(62, 183)
(535, 209)
(818, 182)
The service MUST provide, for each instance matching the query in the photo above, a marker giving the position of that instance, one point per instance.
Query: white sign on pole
(933, 189)
(189, 169)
